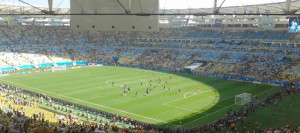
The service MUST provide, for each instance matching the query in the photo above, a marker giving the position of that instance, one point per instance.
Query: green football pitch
(178, 100)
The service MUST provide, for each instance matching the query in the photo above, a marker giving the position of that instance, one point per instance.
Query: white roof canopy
(165, 6)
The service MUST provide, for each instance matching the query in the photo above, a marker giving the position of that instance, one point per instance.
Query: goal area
(243, 98)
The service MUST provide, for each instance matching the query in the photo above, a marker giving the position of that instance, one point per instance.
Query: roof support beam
(129, 5)
(8, 12)
(50, 4)
(216, 11)
(127, 12)
(215, 5)
(288, 5)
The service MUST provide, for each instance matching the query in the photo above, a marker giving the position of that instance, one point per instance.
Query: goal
(59, 68)
(242, 98)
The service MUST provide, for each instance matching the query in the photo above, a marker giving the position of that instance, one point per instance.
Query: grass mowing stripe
(87, 84)
(90, 103)
(90, 89)
(135, 80)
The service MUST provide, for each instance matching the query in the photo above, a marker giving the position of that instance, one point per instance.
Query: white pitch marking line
(134, 81)
(194, 111)
(108, 86)
(93, 103)
(103, 88)
(193, 94)
(166, 104)
(185, 97)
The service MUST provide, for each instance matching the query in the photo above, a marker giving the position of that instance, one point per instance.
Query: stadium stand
(271, 61)
(253, 59)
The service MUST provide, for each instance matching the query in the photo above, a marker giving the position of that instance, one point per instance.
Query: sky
(164, 4)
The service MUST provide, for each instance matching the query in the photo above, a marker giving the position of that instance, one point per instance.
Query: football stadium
(149, 66)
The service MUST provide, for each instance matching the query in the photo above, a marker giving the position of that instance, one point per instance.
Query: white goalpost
(59, 68)
(243, 98)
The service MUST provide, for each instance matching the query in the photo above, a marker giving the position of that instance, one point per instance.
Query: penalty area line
(103, 106)
(223, 108)
(190, 110)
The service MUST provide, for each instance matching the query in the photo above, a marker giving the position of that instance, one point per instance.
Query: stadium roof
(267, 8)
(168, 6)
(17, 9)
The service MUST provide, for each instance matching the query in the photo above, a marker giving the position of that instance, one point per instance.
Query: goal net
(242, 98)
(59, 68)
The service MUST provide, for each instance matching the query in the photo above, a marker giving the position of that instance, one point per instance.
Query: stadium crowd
(20, 113)
(169, 48)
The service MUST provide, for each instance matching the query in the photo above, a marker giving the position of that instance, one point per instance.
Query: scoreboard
(294, 24)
